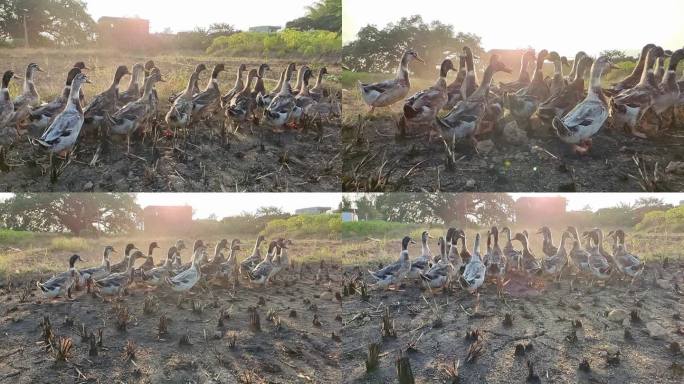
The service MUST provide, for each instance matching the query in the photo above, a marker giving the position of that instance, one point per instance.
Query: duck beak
(507, 70)
(87, 81)
(430, 236)
(420, 59)
(17, 77)
(162, 80)
(39, 69)
(412, 241)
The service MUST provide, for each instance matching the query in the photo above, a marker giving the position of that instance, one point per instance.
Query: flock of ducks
(452, 264)
(112, 279)
(645, 103)
(57, 125)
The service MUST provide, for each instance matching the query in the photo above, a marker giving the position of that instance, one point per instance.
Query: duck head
(450, 234)
(73, 259)
(71, 75)
(81, 65)
(7, 76)
(149, 65)
(446, 66)
(409, 56)
(108, 250)
(121, 71)
(263, 68)
(218, 68)
(235, 245)
(31, 69)
(405, 242)
(676, 57)
(198, 244)
(554, 57)
(545, 231)
(180, 245)
(129, 247)
(498, 65)
(201, 67)
(153, 246)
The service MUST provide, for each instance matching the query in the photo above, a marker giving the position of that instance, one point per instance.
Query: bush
(70, 244)
(322, 226)
(9, 236)
(378, 229)
(284, 43)
(670, 221)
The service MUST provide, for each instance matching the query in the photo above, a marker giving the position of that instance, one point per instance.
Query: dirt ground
(555, 326)
(290, 347)
(305, 158)
(376, 160)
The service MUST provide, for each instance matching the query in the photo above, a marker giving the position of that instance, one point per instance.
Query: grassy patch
(68, 244)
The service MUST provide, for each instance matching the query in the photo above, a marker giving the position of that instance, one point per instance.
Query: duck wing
(66, 126)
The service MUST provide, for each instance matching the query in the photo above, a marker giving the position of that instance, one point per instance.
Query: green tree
(72, 212)
(324, 14)
(48, 22)
(345, 204)
(269, 212)
(379, 50)
(365, 208)
(615, 55)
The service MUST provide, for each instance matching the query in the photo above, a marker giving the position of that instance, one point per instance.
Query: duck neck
(557, 68)
(425, 249)
(248, 84)
(476, 247)
(28, 80)
(135, 78)
(256, 247)
(526, 249)
(671, 74)
(117, 79)
(192, 84)
(281, 80)
(595, 80)
(483, 89)
(319, 79)
(74, 101)
(442, 249)
(524, 63)
(238, 80)
(647, 72)
(217, 250)
(149, 84)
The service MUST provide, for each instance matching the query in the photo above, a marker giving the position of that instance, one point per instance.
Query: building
(538, 210)
(123, 32)
(265, 28)
(348, 216)
(312, 210)
(167, 219)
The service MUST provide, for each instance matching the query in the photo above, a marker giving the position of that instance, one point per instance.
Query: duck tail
(168, 280)
(560, 128)
(373, 274)
(424, 278)
(41, 286)
(360, 86)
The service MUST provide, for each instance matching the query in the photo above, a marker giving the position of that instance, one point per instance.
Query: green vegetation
(670, 221)
(322, 226)
(379, 50)
(377, 228)
(285, 43)
(324, 15)
(12, 237)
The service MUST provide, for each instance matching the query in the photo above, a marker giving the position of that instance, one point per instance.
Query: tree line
(67, 23)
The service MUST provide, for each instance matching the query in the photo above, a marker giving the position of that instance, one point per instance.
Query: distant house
(123, 32)
(167, 219)
(265, 28)
(537, 210)
(348, 216)
(312, 210)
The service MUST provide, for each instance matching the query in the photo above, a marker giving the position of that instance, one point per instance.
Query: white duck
(61, 284)
(395, 272)
(586, 119)
(187, 279)
(388, 92)
(421, 263)
(441, 273)
(115, 283)
(259, 275)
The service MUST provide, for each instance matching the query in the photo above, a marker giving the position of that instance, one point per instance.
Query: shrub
(321, 226)
(286, 42)
(71, 244)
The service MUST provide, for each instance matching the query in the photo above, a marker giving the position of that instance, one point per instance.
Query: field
(556, 327)
(223, 347)
(212, 159)
(375, 158)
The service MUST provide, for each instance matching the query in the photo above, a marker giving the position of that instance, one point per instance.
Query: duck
(560, 104)
(634, 77)
(496, 263)
(422, 107)
(548, 247)
(464, 253)
(40, 117)
(421, 263)
(89, 275)
(132, 93)
(659, 71)
(300, 78)
(230, 266)
(6, 104)
(528, 262)
(157, 276)
(303, 99)
(199, 68)
(149, 261)
(475, 271)
(453, 255)
(255, 258)
(61, 136)
(512, 255)
(241, 105)
(557, 83)
(440, 273)
(578, 255)
(259, 274)
(394, 273)
(106, 102)
(598, 264)
(586, 118)
(282, 261)
(555, 264)
(208, 102)
(239, 86)
(211, 267)
(627, 263)
(660, 114)
(187, 279)
(180, 113)
(318, 91)
(264, 99)
(29, 97)
(523, 103)
(150, 67)
(62, 283)
(115, 283)
(469, 85)
(259, 91)
(463, 120)
(283, 108)
(523, 79)
(627, 107)
(576, 70)
(454, 88)
(134, 116)
(386, 93)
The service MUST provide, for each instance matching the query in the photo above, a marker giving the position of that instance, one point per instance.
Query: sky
(185, 16)
(589, 25)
